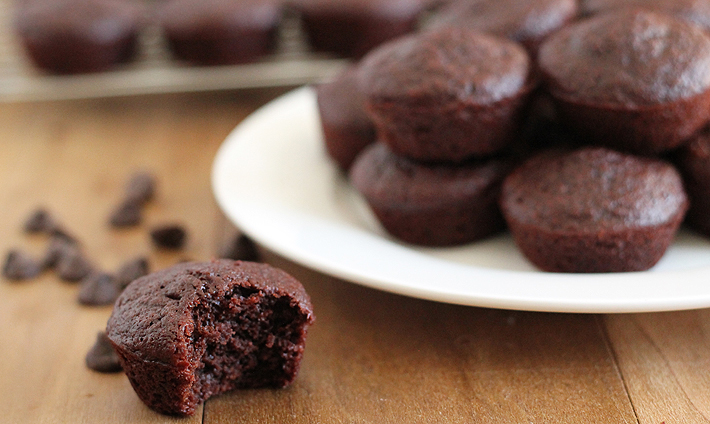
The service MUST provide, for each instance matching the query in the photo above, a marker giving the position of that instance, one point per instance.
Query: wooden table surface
(372, 357)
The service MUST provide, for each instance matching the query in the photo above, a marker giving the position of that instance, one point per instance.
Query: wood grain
(665, 359)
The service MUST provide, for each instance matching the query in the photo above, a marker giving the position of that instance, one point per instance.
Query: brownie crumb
(101, 357)
(98, 289)
(240, 247)
(40, 221)
(141, 187)
(127, 214)
(169, 236)
(20, 266)
(130, 271)
(72, 265)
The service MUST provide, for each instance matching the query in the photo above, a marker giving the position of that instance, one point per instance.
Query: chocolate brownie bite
(593, 210)
(196, 330)
(79, 36)
(347, 129)
(632, 80)
(220, 32)
(694, 163)
(431, 204)
(351, 28)
(527, 22)
(446, 95)
(694, 11)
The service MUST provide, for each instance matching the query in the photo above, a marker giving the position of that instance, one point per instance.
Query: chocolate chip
(240, 247)
(72, 265)
(130, 271)
(40, 221)
(20, 266)
(60, 232)
(141, 187)
(98, 289)
(127, 214)
(169, 236)
(58, 246)
(102, 357)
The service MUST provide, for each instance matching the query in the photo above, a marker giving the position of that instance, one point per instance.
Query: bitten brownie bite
(593, 210)
(79, 36)
(632, 80)
(347, 129)
(446, 95)
(351, 28)
(220, 32)
(431, 204)
(196, 330)
(527, 22)
(694, 163)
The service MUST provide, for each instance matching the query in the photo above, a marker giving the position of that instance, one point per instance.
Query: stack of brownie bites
(579, 127)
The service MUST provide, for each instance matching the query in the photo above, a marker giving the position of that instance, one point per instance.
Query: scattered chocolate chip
(60, 232)
(98, 289)
(40, 221)
(131, 270)
(127, 214)
(20, 266)
(58, 246)
(101, 357)
(169, 236)
(240, 247)
(72, 265)
(141, 187)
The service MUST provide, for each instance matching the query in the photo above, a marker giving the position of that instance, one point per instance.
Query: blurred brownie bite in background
(79, 36)
(351, 28)
(220, 32)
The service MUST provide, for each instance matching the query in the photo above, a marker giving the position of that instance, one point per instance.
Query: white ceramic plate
(274, 180)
